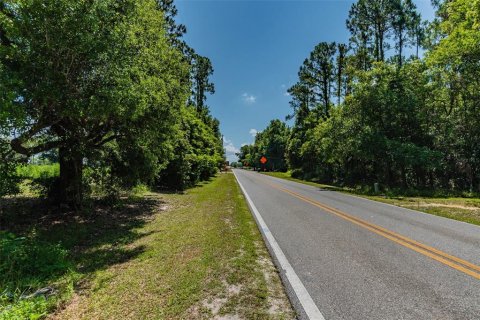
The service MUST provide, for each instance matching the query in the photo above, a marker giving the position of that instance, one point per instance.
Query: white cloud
(253, 132)
(249, 98)
(229, 147)
(284, 89)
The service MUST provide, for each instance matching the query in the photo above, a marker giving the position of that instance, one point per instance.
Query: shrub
(26, 262)
(8, 176)
(297, 173)
(20, 309)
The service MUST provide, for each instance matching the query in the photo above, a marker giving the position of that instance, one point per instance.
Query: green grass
(27, 260)
(153, 256)
(466, 209)
(287, 176)
(36, 178)
(35, 171)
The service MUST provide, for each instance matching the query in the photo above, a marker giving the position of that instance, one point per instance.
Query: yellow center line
(440, 256)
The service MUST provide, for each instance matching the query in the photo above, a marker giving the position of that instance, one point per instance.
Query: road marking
(301, 292)
(440, 256)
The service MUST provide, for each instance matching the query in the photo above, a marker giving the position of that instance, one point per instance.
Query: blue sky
(256, 48)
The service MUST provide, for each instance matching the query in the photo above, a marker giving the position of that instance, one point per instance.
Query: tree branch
(104, 141)
(17, 143)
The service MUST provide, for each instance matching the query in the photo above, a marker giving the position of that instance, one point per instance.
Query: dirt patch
(214, 305)
(279, 306)
(228, 317)
(71, 309)
(442, 205)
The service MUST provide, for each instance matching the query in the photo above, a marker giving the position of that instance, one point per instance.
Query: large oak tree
(79, 75)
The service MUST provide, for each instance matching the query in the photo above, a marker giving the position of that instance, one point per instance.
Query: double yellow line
(440, 256)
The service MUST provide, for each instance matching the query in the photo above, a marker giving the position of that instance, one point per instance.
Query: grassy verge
(465, 209)
(197, 255)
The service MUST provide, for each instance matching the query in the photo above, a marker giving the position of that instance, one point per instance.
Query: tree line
(398, 105)
(110, 89)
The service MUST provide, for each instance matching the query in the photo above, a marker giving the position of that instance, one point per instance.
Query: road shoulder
(202, 257)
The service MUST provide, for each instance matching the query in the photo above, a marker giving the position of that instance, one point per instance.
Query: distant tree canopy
(271, 143)
(375, 111)
(107, 84)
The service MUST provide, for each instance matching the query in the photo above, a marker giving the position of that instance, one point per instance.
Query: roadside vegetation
(100, 101)
(462, 206)
(108, 93)
(375, 111)
(196, 254)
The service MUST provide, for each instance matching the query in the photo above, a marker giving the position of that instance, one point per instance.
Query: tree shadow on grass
(99, 237)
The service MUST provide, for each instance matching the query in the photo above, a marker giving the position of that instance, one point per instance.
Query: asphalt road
(360, 259)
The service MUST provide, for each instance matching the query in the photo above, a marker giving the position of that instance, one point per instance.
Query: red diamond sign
(263, 160)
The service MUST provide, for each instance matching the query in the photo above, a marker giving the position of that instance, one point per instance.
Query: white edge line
(301, 292)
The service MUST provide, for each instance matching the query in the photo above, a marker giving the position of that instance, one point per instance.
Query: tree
(318, 75)
(369, 24)
(272, 143)
(174, 30)
(202, 69)
(454, 67)
(82, 76)
(341, 66)
(391, 118)
(406, 26)
(197, 156)
(247, 156)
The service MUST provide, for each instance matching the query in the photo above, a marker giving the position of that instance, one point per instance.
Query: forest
(397, 105)
(108, 92)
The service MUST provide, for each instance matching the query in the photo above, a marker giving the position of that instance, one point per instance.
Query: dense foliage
(110, 88)
(361, 115)
(271, 144)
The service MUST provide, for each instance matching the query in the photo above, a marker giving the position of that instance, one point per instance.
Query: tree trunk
(400, 50)
(70, 182)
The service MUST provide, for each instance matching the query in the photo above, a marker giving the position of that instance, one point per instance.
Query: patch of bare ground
(444, 205)
(279, 305)
(225, 304)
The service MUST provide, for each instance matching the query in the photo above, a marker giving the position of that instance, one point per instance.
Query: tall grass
(36, 171)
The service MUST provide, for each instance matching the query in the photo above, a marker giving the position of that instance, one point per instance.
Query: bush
(99, 181)
(139, 190)
(39, 179)
(8, 181)
(26, 262)
(177, 174)
(20, 309)
(8, 177)
(297, 173)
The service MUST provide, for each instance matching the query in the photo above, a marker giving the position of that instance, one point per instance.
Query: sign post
(263, 160)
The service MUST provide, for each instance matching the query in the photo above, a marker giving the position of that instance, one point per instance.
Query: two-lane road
(359, 259)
